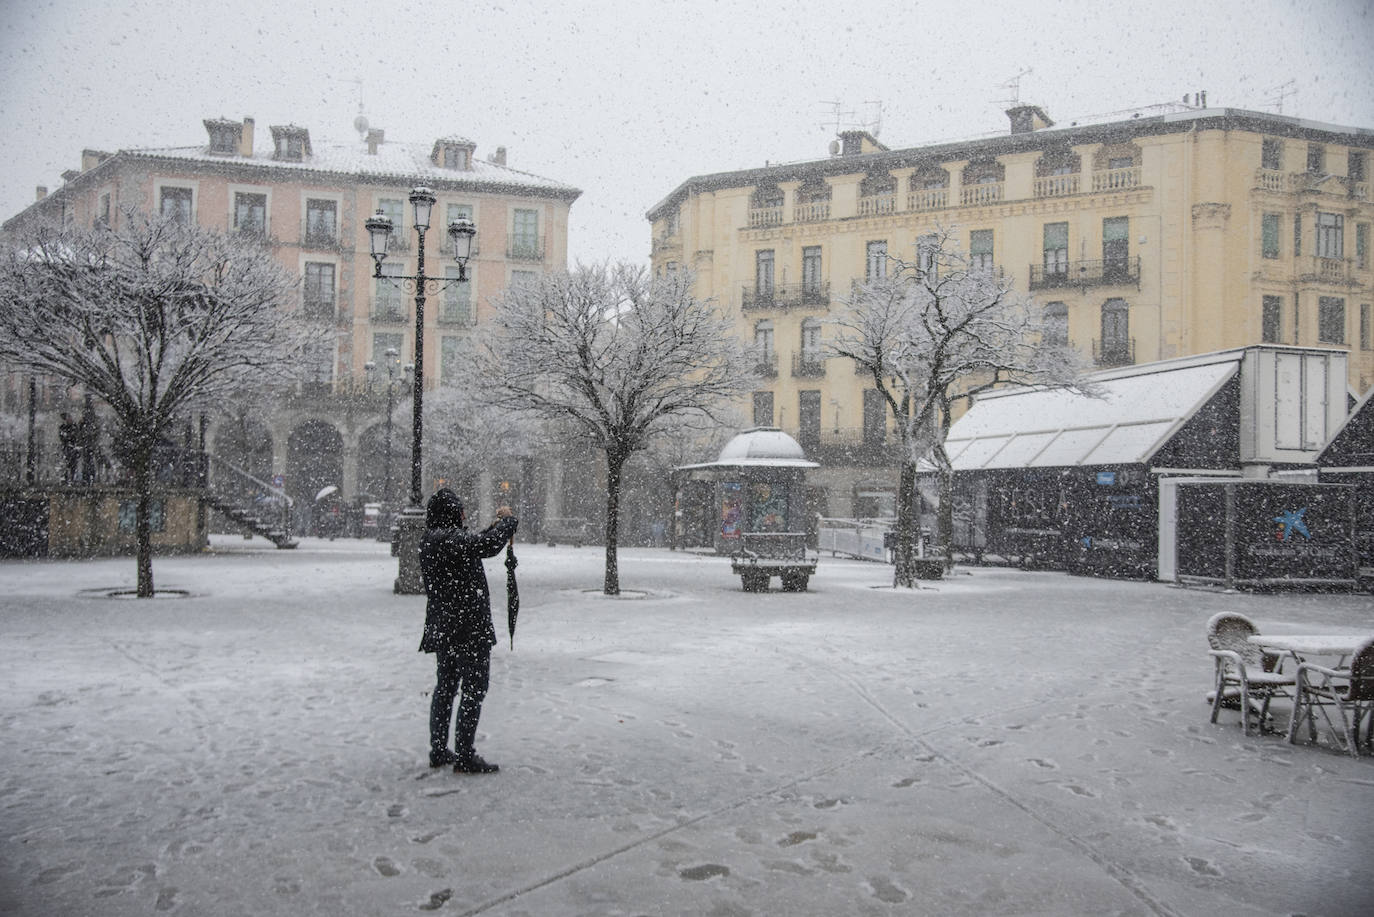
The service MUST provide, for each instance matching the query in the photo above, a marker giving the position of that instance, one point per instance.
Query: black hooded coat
(458, 609)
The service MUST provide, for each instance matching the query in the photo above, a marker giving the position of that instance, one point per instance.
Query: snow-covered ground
(1002, 743)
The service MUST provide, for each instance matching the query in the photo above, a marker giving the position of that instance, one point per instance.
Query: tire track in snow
(1123, 876)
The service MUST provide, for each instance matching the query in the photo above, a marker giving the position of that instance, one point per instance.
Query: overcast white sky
(625, 99)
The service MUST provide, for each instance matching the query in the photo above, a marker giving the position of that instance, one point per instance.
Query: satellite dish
(360, 125)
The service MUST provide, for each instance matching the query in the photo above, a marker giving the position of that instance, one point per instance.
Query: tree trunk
(615, 464)
(143, 524)
(908, 526)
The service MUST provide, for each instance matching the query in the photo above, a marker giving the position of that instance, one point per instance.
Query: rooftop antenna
(1281, 92)
(1012, 86)
(360, 123)
(840, 118)
(875, 125)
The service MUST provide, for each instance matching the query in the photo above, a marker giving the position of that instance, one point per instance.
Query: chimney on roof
(71, 175)
(856, 143)
(499, 157)
(246, 139)
(42, 192)
(92, 158)
(1027, 118)
(375, 138)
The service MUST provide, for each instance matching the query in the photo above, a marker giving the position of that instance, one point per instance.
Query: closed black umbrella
(512, 592)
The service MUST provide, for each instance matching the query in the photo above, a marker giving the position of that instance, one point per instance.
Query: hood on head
(444, 510)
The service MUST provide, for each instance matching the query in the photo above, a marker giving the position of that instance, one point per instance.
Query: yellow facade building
(309, 200)
(1179, 230)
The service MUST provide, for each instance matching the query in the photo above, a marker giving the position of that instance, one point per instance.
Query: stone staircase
(250, 520)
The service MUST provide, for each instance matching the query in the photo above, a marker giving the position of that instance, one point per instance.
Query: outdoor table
(1303, 645)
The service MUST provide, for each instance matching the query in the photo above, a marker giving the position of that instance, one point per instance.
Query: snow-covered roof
(1129, 417)
(406, 163)
(761, 447)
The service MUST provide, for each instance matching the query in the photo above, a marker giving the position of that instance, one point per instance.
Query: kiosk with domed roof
(759, 482)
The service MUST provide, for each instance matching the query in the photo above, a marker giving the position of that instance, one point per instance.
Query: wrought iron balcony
(389, 312)
(784, 296)
(456, 313)
(320, 236)
(808, 365)
(764, 362)
(1114, 352)
(525, 248)
(1084, 274)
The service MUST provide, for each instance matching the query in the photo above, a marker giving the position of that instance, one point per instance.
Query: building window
(1355, 165)
(250, 213)
(763, 337)
(1115, 348)
(763, 409)
(876, 267)
(1271, 154)
(394, 209)
(1297, 235)
(450, 346)
(1116, 247)
(455, 157)
(763, 272)
(810, 357)
(980, 251)
(875, 417)
(390, 303)
(1316, 158)
(1271, 320)
(1365, 331)
(1056, 333)
(318, 359)
(1269, 235)
(321, 221)
(1362, 246)
(1056, 242)
(128, 515)
(811, 270)
(318, 289)
(927, 248)
(1330, 235)
(809, 418)
(456, 307)
(1331, 320)
(381, 343)
(175, 204)
(525, 234)
(522, 278)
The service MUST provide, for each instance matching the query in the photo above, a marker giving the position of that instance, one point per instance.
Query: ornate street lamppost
(411, 523)
(391, 384)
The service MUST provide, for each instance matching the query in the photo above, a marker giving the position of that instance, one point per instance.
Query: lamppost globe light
(422, 199)
(378, 231)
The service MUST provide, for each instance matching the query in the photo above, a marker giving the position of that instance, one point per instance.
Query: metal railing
(784, 296)
(525, 248)
(1083, 274)
(389, 312)
(1114, 353)
(808, 365)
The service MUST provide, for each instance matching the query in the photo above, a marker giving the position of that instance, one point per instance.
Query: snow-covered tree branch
(152, 317)
(929, 333)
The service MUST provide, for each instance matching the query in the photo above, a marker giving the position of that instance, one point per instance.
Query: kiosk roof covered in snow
(759, 447)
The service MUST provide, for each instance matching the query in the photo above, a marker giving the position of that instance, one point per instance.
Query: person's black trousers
(469, 668)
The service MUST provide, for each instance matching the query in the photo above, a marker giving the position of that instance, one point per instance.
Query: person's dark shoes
(445, 757)
(473, 764)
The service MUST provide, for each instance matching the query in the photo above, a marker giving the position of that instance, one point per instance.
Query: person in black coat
(458, 628)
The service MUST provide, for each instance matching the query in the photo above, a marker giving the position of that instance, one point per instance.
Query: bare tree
(616, 355)
(928, 334)
(152, 317)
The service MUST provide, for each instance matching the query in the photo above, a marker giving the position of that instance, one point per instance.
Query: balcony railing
(317, 308)
(389, 312)
(765, 216)
(784, 296)
(765, 363)
(1316, 269)
(1116, 179)
(1083, 274)
(928, 199)
(1271, 180)
(525, 248)
(977, 195)
(667, 240)
(319, 236)
(1114, 353)
(456, 313)
(1056, 185)
(808, 365)
(875, 204)
(813, 212)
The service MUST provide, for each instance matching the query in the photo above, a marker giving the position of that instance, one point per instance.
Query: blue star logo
(1292, 522)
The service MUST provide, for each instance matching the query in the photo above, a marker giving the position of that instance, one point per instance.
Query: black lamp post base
(410, 531)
